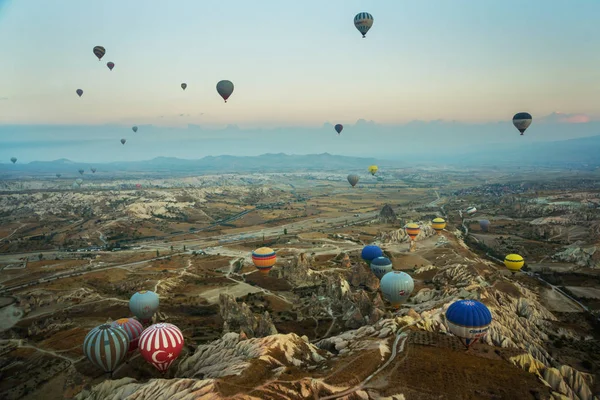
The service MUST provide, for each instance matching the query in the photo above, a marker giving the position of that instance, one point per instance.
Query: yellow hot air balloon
(438, 224)
(264, 258)
(412, 230)
(373, 169)
(514, 263)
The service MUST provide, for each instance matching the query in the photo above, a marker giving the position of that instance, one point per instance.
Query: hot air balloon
(183, 86)
(58, 175)
(438, 224)
(225, 89)
(79, 181)
(144, 304)
(123, 141)
(371, 252)
(363, 21)
(396, 287)
(133, 328)
(137, 185)
(514, 263)
(484, 224)
(13, 159)
(106, 347)
(521, 121)
(264, 258)
(110, 65)
(373, 169)
(93, 170)
(471, 210)
(79, 92)
(81, 171)
(469, 320)
(134, 128)
(161, 344)
(99, 51)
(353, 179)
(339, 128)
(381, 266)
(412, 230)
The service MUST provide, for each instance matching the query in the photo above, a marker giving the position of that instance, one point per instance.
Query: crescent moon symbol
(155, 354)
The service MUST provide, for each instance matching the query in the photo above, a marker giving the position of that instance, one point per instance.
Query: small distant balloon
(110, 65)
(521, 121)
(79, 181)
(183, 86)
(339, 128)
(81, 171)
(13, 160)
(58, 175)
(484, 224)
(353, 179)
(93, 170)
(134, 128)
(363, 21)
(471, 210)
(373, 169)
(79, 92)
(99, 52)
(123, 141)
(225, 89)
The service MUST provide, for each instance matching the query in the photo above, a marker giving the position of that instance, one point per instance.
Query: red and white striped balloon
(133, 328)
(161, 344)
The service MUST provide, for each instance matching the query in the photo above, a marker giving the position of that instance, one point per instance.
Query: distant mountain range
(581, 151)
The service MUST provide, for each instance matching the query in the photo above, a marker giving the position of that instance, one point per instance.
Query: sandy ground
(554, 301)
(584, 292)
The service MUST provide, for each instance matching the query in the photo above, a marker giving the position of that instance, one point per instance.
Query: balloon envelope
(183, 86)
(79, 181)
(134, 128)
(438, 224)
(58, 175)
(99, 51)
(133, 328)
(93, 170)
(484, 224)
(13, 159)
(373, 169)
(123, 141)
(110, 65)
(353, 179)
(144, 304)
(396, 287)
(471, 210)
(338, 128)
(161, 344)
(79, 92)
(363, 21)
(514, 262)
(469, 320)
(81, 171)
(264, 258)
(412, 230)
(381, 266)
(225, 89)
(371, 252)
(106, 347)
(521, 121)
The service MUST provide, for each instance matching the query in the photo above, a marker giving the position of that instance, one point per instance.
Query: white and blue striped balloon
(106, 346)
(363, 21)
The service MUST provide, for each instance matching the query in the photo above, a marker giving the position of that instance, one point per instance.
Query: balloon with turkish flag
(161, 344)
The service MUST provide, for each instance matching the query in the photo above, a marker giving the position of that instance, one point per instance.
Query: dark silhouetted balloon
(79, 92)
(110, 65)
(225, 89)
(99, 51)
(521, 121)
(339, 128)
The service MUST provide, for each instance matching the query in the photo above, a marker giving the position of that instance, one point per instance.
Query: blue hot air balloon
(381, 266)
(396, 287)
(106, 346)
(469, 320)
(484, 224)
(370, 252)
(144, 304)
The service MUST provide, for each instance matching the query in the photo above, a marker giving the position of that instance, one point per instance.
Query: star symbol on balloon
(170, 355)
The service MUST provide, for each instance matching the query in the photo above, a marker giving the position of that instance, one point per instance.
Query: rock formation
(387, 215)
(239, 318)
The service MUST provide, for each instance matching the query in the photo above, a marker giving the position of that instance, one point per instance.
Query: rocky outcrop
(298, 272)
(360, 276)
(387, 215)
(239, 318)
(581, 256)
(400, 236)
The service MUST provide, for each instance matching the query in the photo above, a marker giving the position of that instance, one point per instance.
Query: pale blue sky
(296, 62)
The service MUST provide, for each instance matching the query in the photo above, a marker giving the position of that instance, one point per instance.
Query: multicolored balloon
(110, 65)
(521, 121)
(514, 263)
(133, 328)
(396, 287)
(363, 21)
(161, 344)
(353, 179)
(106, 347)
(99, 52)
(339, 128)
(412, 230)
(144, 304)
(79, 92)
(264, 258)
(469, 320)
(225, 89)
(381, 266)
(371, 252)
(438, 224)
